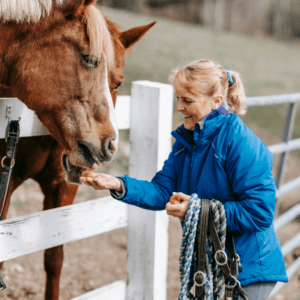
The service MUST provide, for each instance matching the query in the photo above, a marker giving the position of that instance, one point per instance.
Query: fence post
(288, 131)
(150, 128)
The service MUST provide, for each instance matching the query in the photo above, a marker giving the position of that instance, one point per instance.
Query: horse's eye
(118, 86)
(91, 62)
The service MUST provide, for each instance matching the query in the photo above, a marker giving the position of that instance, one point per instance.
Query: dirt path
(100, 260)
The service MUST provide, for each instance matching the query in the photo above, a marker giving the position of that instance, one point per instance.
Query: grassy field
(268, 67)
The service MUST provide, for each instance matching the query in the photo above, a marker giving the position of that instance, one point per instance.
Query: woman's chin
(188, 125)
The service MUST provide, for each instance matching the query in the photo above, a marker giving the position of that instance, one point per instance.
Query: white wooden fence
(148, 114)
(283, 149)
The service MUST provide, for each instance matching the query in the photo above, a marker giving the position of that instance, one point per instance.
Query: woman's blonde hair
(209, 78)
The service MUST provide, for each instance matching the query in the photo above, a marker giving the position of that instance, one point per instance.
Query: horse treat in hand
(175, 199)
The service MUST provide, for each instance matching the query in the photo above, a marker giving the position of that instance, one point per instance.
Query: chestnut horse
(64, 59)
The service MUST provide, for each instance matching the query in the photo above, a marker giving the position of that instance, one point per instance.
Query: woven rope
(214, 285)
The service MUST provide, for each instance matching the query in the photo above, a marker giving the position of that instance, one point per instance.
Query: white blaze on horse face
(112, 113)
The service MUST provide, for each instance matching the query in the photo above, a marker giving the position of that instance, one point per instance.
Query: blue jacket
(223, 159)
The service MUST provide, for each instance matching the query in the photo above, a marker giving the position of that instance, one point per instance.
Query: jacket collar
(205, 129)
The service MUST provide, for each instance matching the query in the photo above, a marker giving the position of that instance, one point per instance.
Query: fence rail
(148, 114)
(273, 100)
(283, 149)
(58, 226)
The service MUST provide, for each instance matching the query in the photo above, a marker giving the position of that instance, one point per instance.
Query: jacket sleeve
(249, 170)
(152, 195)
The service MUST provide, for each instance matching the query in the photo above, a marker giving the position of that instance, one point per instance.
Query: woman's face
(194, 109)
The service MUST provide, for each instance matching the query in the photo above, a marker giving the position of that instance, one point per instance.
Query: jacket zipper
(184, 134)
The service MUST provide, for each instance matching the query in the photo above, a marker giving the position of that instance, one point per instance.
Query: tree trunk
(283, 27)
(132, 5)
(219, 15)
(208, 13)
(199, 11)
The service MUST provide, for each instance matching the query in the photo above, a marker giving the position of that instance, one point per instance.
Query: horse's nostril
(112, 146)
(93, 155)
(86, 151)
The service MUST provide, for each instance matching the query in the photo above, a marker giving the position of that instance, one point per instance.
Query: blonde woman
(218, 157)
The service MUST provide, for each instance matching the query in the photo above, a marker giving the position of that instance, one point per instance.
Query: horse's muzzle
(87, 157)
(93, 156)
(72, 173)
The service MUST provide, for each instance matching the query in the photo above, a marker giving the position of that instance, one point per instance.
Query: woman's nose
(179, 106)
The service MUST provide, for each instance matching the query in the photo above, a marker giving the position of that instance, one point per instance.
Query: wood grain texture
(151, 124)
(30, 125)
(27, 234)
(115, 290)
(150, 121)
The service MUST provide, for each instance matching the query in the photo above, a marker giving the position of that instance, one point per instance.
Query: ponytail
(236, 98)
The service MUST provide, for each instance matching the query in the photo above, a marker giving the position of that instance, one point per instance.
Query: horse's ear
(76, 8)
(133, 35)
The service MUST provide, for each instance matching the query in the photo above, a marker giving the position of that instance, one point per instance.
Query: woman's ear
(218, 100)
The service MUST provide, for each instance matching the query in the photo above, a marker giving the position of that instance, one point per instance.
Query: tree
(282, 20)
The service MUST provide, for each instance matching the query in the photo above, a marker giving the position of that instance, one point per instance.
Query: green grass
(268, 67)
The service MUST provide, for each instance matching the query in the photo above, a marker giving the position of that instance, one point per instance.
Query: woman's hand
(100, 181)
(178, 209)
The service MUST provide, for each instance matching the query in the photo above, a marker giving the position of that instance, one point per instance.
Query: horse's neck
(5, 92)
(7, 44)
(11, 37)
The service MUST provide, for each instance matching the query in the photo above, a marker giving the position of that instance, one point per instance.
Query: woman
(216, 156)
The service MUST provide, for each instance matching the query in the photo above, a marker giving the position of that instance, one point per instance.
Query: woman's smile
(193, 108)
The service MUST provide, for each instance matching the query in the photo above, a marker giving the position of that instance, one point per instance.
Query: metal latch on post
(8, 116)
(8, 112)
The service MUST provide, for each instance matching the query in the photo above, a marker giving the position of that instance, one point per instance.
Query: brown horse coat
(40, 157)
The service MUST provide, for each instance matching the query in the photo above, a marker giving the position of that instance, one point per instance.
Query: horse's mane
(99, 35)
(26, 11)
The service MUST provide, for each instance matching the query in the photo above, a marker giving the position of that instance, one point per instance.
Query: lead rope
(214, 283)
(12, 139)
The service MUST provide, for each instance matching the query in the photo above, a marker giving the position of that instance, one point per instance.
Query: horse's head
(59, 65)
(63, 65)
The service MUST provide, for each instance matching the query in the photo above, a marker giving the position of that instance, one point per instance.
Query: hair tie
(230, 80)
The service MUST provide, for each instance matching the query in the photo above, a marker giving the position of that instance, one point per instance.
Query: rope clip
(203, 280)
(11, 164)
(8, 132)
(224, 255)
(235, 283)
